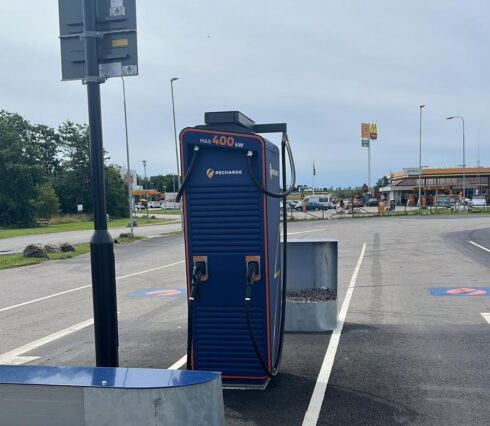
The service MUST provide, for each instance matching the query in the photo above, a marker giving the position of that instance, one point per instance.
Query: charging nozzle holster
(199, 273)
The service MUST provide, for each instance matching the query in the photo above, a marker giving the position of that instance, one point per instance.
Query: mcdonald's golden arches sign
(373, 131)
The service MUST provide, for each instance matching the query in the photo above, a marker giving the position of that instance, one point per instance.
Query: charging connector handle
(252, 272)
(197, 273)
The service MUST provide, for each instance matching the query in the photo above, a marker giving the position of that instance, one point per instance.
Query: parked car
(478, 202)
(310, 205)
(372, 202)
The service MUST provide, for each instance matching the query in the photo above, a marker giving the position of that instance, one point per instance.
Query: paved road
(404, 356)
(17, 244)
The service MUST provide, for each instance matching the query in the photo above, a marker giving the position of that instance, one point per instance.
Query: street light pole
(464, 162)
(128, 175)
(175, 129)
(176, 145)
(145, 186)
(420, 158)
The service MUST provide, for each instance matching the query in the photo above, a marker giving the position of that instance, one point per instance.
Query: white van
(323, 199)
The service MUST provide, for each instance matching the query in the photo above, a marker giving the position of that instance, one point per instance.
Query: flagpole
(314, 173)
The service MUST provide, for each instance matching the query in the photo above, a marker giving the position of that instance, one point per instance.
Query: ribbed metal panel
(224, 219)
(222, 342)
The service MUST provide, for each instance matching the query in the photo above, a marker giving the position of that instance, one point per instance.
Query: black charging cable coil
(285, 193)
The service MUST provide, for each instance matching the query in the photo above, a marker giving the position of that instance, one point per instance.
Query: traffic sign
(460, 291)
(365, 143)
(116, 31)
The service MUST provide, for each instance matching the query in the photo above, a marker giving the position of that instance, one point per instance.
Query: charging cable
(198, 271)
(252, 272)
(187, 175)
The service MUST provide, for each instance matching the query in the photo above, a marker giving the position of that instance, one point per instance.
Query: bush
(47, 203)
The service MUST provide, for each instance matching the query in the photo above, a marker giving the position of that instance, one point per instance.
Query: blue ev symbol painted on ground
(159, 292)
(460, 291)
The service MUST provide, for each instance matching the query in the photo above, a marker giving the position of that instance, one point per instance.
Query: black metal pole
(101, 245)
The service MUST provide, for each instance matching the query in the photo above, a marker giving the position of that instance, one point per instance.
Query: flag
(314, 170)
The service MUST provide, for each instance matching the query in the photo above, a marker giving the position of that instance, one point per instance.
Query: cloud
(322, 67)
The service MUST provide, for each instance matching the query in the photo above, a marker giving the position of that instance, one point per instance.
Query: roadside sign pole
(101, 245)
(369, 166)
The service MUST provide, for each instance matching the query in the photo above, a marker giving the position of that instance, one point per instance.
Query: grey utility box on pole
(116, 29)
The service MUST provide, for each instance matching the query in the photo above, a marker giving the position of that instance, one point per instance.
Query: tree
(116, 193)
(47, 203)
(381, 182)
(164, 183)
(47, 142)
(73, 184)
(20, 171)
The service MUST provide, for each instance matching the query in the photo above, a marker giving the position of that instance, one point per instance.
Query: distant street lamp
(464, 162)
(420, 159)
(145, 186)
(144, 167)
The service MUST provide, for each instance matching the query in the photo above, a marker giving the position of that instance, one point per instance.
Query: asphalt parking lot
(405, 354)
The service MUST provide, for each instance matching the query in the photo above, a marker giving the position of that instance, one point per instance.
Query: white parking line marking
(150, 270)
(313, 412)
(14, 357)
(44, 298)
(85, 286)
(486, 316)
(179, 363)
(305, 232)
(479, 246)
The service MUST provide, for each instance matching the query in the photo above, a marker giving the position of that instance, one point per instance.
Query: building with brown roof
(436, 181)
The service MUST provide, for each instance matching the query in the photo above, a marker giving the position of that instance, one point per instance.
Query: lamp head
(449, 118)
(422, 106)
(173, 79)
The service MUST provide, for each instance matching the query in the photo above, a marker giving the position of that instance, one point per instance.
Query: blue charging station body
(228, 221)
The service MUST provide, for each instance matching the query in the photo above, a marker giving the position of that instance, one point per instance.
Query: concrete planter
(312, 264)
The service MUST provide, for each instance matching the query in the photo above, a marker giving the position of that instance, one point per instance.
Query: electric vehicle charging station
(236, 276)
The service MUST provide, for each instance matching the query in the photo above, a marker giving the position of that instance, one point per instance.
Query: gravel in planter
(311, 295)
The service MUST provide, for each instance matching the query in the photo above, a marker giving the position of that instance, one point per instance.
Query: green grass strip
(16, 259)
(74, 226)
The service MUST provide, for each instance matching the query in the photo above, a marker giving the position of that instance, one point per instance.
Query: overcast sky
(322, 66)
